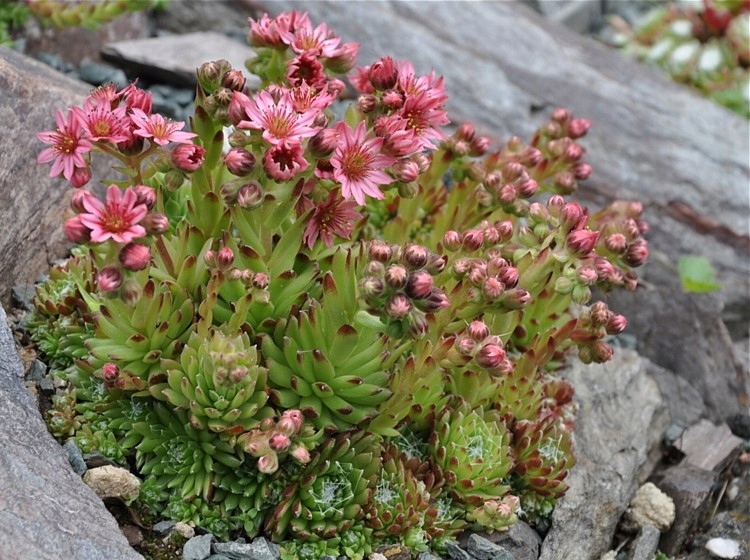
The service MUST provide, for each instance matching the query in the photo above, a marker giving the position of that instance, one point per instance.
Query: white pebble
(723, 548)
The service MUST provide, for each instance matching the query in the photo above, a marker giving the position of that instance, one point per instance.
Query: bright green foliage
(697, 274)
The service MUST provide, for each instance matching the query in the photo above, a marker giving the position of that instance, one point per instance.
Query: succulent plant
(472, 447)
(181, 459)
(332, 491)
(217, 381)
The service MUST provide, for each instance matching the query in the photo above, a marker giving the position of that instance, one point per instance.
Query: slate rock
(96, 73)
(198, 548)
(46, 512)
(708, 446)
(482, 549)
(621, 419)
(740, 425)
(455, 552)
(520, 540)
(259, 549)
(174, 59)
(163, 527)
(227, 17)
(691, 489)
(646, 543)
(23, 296)
(75, 457)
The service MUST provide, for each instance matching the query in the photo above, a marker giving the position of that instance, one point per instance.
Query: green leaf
(697, 274)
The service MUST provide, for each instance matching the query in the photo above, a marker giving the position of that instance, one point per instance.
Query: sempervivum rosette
(218, 381)
(332, 490)
(544, 451)
(472, 447)
(138, 336)
(401, 501)
(181, 460)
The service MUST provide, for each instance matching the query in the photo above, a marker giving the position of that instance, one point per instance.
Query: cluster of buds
(593, 325)
(274, 439)
(496, 515)
(399, 284)
(483, 349)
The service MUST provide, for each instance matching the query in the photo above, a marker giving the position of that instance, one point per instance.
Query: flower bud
(140, 99)
(452, 240)
(211, 73)
(187, 157)
(109, 279)
(239, 161)
(465, 345)
(578, 127)
(527, 188)
(581, 294)
(531, 157)
(392, 99)
(323, 144)
(279, 442)
(371, 287)
(396, 276)
(131, 291)
(601, 351)
(398, 306)
(224, 258)
(478, 330)
(599, 314)
(637, 253)
(507, 194)
(367, 103)
(492, 288)
(437, 301)
(581, 171)
(508, 276)
(300, 454)
(516, 298)
(75, 231)
(135, 256)
(616, 324)
(233, 80)
(406, 171)
(461, 267)
(379, 251)
(290, 422)
(587, 275)
(582, 241)
(110, 372)
(415, 256)
(419, 285)
(478, 274)
(408, 190)
(155, 223)
(81, 176)
(174, 179)
(260, 280)
(473, 239)
(250, 195)
(268, 463)
(616, 242)
(383, 73)
(479, 146)
(145, 195)
(490, 356)
(561, 115)
(512, 171)
(418, 324)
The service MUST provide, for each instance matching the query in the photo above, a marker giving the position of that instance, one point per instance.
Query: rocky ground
(670, 409)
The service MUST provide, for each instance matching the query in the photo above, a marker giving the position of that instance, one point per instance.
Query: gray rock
(740, 425)
(427, 556)
(684, 402)
(233, 550)
(646, 543)
(96, 73)
(46, 512)
(621, 419)
(259, 549)
(198, 548)
(520, 540)
(75, 457)
(708, 446)
(455, 552)
(691, 489)
(55, 61)
(163, 527)
(482, 549)
(23, 296)
(218, 557)
(37, 371)
(175, 59)
(229, 16)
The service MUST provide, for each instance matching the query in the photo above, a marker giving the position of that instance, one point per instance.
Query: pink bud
(479, 146)
(371, 287)
(250, 195)
(81, 176)
(396, 276)
(561, 115)
(367, 103)
(406, 171)
(516, 298)
(508, 276)
(155, 222)
(291, 421)
(268, 463)
(573, 153)
(75, 231)
(233, 80)
(512, 171)
(188, 157)
(239, 161)
(236, 110)
(527, 188)
(437, 301)
(465, 346)
(600, 314)
(135, 256)
(110, 371)
(601, 351)
(419, 285)
(492, 180)
(398, 306)
(383, 73)
(473, 239)
(587, 274)
(637, 253)
(466, 132)
(508, 194)
(582, 241)
(415, 256)
(582, 171)
(300, 454)
(139, 99)
(478, 330)
(492, 288)
(109, 279)
(323, 144)
(616, 324)
(616, 242)
(279, 442)
(380, 251)
(146, 195)
(77, 198)
(224, 258)
(578, 127)
(490, 355)
(260, 280)
(392, 99)
(452, 240)
(505, 229)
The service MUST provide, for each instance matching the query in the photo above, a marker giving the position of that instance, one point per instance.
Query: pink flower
(306, 68)
(399, 139)
(117, 219)
(69, 141)
(277, 119)
(334, 217)
(358, 163)
(318, 41)
(103, 123)
(158, 129)
(284, 161)
(360, 79)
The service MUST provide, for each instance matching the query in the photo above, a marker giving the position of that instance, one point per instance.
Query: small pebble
(113, 482)
(164, 527)
(723, 548)
(75, 457)
(184, 530)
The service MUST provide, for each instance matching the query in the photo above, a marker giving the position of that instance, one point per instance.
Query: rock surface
(613, 444)
(46, 512)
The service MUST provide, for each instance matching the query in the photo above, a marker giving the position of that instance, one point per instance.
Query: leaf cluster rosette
(334, 327)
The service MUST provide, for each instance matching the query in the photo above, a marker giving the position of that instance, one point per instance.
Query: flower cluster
(335, 331)
(706, 45)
